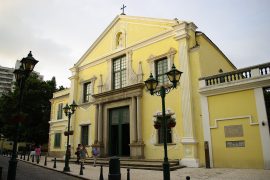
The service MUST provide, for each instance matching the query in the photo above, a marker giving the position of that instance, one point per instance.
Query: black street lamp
(27, 65)
(151, 84)
(69, 110)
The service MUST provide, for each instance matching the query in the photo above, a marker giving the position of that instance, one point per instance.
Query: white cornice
(57, 121)
(188, 140)
(233, 86)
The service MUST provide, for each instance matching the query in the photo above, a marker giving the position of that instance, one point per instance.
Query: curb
(28, 162)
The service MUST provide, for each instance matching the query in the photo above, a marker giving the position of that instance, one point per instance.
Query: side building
(116, 114)
(6, 79)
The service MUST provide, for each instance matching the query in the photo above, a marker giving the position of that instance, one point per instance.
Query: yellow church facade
(116, 114)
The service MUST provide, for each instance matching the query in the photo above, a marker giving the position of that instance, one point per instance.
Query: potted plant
(171, 122)
(157, 124)
(66, 133)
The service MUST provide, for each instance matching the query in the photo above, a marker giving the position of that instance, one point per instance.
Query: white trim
(232, 118)
(206, 127)
(189, 162)
(188, 140)
(264, 130)
(57, 121)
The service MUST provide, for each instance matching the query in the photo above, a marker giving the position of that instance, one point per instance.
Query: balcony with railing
(237, 75)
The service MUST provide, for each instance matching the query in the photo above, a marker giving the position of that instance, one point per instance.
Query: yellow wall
(136, 31)
(211, 60)
(238, 106)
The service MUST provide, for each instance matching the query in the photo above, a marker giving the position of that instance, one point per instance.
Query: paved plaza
(31, 170)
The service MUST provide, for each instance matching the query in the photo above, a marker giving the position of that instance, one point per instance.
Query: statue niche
(120, 40)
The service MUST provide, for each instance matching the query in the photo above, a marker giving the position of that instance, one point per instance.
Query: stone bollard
(101, 173)
(187, 178)
(1, 169)
(54, 164)
(114, 169)
(81, 169)
(45, 161)
(28, 157)
(128, 175)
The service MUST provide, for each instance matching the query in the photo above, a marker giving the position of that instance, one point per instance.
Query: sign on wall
(233, 131)
(231, 144)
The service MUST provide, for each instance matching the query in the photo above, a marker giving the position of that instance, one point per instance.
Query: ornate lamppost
(27, 65)
(69, 110)
(151, 84)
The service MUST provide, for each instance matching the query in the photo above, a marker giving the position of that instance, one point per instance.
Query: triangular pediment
(123, 32)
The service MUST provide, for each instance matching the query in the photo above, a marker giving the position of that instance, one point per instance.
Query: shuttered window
(119, 72)
(84, 134)
(57, 140)
(60, 111)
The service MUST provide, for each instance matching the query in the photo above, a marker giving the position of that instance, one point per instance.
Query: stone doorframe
(128, 96)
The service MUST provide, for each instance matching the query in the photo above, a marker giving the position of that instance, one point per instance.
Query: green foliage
(35, 104)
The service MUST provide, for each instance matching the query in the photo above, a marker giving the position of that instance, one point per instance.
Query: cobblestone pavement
(91, 172)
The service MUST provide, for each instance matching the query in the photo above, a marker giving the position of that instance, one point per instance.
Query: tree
(35, 105)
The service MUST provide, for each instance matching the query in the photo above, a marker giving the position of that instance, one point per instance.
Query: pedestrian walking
(77, 153)
(38, 152)
(95, 153)
(83, 153)
(32, 152)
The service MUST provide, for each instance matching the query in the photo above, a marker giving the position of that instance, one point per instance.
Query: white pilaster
(139, 119)
(96, 124)
(189, 141)
(206, 126)
(133, 123)
(100, 124)
(72, 96)
(264, 129)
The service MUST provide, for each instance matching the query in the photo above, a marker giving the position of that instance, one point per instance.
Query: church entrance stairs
(146, 164)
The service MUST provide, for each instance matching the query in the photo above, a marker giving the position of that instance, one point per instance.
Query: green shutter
(57, 140)
(84, 135)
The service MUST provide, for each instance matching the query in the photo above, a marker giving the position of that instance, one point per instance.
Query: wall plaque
(233, 131)
(232, 144)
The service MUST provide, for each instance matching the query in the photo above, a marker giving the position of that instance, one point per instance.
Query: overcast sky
(59, 31)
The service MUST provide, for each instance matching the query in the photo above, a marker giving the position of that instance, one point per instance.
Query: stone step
(147, 164)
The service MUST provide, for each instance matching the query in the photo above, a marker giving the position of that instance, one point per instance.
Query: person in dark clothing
(77, 153)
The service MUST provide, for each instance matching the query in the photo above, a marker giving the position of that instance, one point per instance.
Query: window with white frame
(86, 92)
(119, 72)
(60, 111)
(161, 67)
(161, 134)
(57, 140)
(85, 135)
